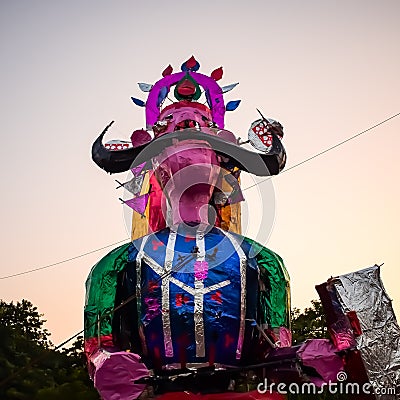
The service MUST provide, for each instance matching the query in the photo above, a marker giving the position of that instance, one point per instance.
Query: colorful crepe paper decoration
(201, 270)
(134, 186)
(263, 133)
(138, 102)
(217, 74)
(162, 95)
(208, 98)
(167, 71)
(138, 204)
(228, 88)
(145, 87)
(232, 105)
(137, 170)
(190, 65)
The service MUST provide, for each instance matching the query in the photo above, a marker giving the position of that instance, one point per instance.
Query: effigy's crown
(187, 85)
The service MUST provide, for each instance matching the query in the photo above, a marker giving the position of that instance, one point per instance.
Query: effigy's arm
(101, 287)
(274, 291)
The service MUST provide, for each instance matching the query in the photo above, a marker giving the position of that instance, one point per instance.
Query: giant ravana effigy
(190, 308)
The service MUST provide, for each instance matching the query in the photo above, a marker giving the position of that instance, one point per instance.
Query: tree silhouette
(309, 324)
(30, 369)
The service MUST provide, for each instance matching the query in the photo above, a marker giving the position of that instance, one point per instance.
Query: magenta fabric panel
(139, 203)
(152, 111)
(285, 337)
(320, 355)
(157, 205)
(115, 374)
(215, 94)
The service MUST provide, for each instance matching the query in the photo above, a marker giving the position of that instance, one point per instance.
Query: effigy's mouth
(187, 123)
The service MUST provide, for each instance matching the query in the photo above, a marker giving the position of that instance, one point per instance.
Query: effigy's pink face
(188, 172)
(183, 117)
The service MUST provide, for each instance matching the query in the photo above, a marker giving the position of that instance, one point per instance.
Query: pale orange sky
(325, 70)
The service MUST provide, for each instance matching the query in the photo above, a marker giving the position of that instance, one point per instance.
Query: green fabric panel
(274, 297)
(100, 291)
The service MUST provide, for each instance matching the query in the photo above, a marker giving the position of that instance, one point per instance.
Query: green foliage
(24, 319)
(310, 324)
(30, 369)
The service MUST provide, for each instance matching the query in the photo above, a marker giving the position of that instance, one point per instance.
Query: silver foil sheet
(166, 318)
(243, 267)
(198, 299)
(363, 292)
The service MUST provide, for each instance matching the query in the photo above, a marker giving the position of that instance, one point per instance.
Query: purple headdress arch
(214, 96)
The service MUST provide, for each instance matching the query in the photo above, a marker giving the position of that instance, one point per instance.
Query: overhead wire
(244, 189)
(63, 261)
(325, 151)
(126, 301)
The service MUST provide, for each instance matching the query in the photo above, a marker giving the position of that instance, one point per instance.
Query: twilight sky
(325, 70)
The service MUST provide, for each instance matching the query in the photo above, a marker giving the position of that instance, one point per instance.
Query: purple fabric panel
(115, 373)
(137, 170)
(152, 111)
(216, 97)
(320, 355)
(138, 204)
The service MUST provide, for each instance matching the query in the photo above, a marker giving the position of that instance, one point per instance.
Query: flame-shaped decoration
(190, 65)
(217, 74)
(138, 102)
(167, 71)
(145, 87)
(227, 88)
(232, 105)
